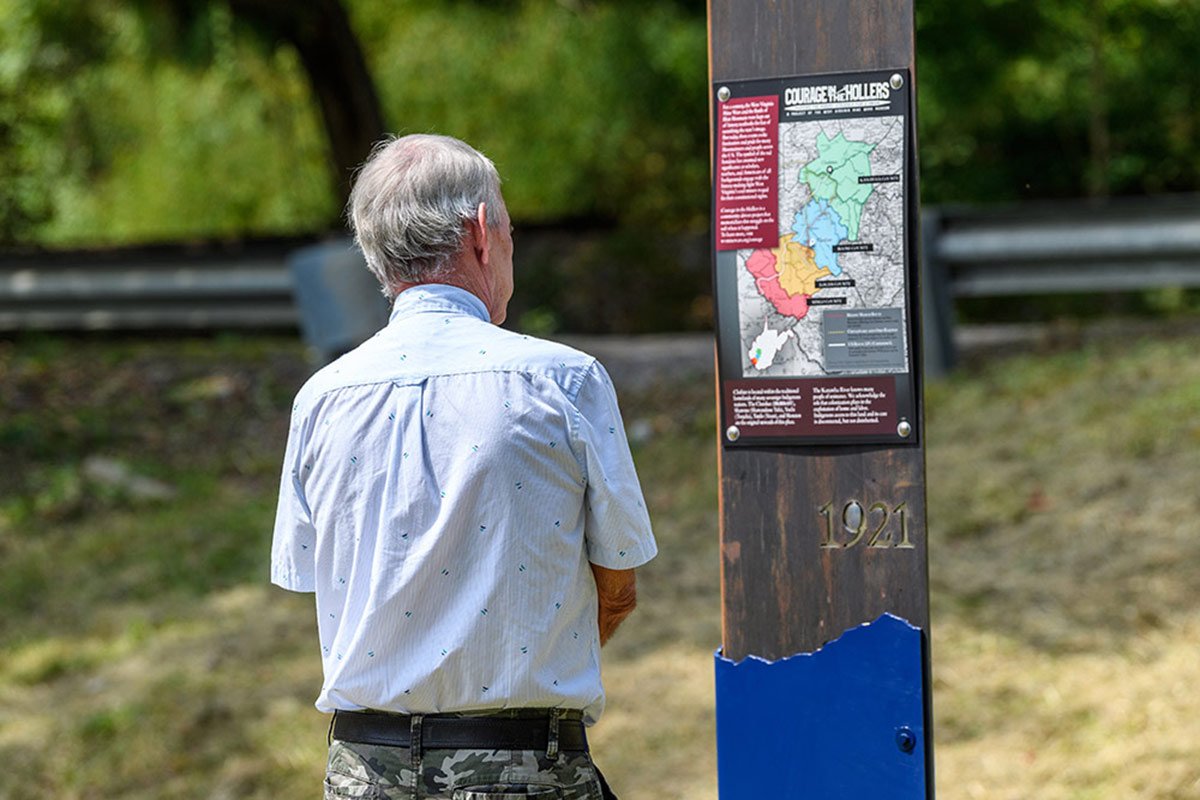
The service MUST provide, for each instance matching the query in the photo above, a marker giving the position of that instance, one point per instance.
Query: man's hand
(617, 591)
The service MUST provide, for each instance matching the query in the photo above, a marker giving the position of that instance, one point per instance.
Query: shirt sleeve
(617, 531)
(295, 540)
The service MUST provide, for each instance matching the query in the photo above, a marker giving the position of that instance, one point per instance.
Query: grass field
(142, 654)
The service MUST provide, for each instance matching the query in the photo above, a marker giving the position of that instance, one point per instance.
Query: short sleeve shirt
(444, 489)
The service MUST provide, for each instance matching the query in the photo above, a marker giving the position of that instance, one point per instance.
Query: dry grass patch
(1015, 722)
(656, 739)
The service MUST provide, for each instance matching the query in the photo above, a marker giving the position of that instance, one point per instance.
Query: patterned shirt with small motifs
(444, 489)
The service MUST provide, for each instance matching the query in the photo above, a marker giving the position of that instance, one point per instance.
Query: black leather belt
(457, 733)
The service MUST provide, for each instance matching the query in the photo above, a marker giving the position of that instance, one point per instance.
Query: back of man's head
(411, 201)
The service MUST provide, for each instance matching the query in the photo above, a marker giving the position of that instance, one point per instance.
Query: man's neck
(470, 278)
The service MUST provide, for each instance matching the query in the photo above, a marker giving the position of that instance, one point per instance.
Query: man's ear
(480, 235)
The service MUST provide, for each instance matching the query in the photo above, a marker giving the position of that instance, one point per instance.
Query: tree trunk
(1099, 140)
(341, 83)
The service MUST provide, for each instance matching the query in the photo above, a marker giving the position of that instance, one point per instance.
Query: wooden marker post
(822, 682)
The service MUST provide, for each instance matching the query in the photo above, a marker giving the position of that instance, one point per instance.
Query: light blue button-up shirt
(444, 488)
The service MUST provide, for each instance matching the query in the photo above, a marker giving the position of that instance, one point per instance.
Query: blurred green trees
(110, 139)
(1057, 98)
(126, 120)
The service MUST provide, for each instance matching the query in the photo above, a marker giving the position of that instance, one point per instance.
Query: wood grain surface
(783, 593)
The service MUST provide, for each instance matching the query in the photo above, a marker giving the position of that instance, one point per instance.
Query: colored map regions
(766, 346)
(822, 208)
(820, 226)
(786, 276)
(833, 175)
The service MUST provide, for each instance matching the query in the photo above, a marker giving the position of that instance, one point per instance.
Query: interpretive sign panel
(812, 246)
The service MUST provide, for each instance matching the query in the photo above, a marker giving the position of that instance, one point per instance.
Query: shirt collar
(438, 297)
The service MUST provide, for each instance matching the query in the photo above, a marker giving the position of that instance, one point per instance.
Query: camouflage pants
(380, 772)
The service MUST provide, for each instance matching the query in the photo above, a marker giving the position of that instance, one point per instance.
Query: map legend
(864, 340)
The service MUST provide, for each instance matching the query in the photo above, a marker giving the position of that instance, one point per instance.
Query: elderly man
(463, 503)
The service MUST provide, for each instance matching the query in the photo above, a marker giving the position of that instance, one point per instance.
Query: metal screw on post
(906, 740)
(732, 433)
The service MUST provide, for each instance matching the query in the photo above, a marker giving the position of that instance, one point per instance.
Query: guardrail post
(339, 301)
(941, 355)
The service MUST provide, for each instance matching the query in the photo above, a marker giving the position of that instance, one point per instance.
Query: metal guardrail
(1120, 246)
(211, 286)
(1064, 248)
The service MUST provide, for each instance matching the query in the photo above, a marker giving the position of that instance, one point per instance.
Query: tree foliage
(127, 120)
(116, 142)
(593, 109)
(1037, 99)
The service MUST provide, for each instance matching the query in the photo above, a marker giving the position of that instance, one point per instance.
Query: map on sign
(839, 258)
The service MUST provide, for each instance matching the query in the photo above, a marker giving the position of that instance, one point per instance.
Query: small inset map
(841, 199)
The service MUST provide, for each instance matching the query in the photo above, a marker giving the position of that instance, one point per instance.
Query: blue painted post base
(844, 722)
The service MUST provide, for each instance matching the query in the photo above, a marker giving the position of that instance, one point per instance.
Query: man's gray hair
(410, 204)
